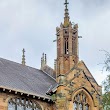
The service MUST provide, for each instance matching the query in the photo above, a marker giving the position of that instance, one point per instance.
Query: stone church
(69, 86)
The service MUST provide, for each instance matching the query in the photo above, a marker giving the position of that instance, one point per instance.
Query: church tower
(77, 89)
(67, 44)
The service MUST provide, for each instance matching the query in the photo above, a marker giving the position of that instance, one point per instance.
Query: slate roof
(25, 79)
(49, 71)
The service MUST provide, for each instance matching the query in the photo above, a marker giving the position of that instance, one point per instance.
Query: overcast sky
(31, 24)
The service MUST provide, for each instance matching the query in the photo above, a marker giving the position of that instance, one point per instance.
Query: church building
(69, 86)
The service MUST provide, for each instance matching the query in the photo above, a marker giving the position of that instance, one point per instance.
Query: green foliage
(106, 62)
(53, 97)
(106, 83)
(106, 96)
(106, 101)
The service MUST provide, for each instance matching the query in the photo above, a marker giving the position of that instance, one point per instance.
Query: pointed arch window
(66, 45)
(81, 102)
(22, 104)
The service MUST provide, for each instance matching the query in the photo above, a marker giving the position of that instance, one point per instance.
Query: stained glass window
(80, 102)
(75, 105)
(80, 107)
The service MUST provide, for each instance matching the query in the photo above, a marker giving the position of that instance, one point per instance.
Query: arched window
(66, 45)
(80, 102)
(22, 104)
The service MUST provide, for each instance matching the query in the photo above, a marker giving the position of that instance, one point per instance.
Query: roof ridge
(19, 63)
(16, 72)
(49, 75)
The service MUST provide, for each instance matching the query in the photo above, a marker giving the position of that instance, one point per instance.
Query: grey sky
(31, 24)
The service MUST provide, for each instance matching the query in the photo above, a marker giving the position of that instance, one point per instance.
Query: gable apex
(83, 66)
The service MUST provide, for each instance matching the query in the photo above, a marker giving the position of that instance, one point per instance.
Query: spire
(23, 57)
(66, 18)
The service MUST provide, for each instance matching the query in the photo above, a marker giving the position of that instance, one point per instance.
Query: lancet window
(81, 102)
(66, 45)
(22, 104)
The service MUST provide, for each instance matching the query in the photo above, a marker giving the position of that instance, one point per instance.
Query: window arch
(22, 104)
(81, 102)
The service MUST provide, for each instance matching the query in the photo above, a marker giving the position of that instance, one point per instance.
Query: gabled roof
(25, 79)
(90, 78)
(88, 74)
(49, 71)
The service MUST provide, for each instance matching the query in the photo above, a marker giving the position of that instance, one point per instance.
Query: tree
(106, 95)
(106, 83)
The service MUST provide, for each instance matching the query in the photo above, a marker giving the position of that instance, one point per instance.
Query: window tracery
(81, 102)
(22, 104)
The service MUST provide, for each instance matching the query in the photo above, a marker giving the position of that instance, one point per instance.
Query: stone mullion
(78, 106)
(83, 106)
(28, 103)
(20, 102)
(32, 106)
(15, 103)
(24, 108)
(15, 106)
(24, 104)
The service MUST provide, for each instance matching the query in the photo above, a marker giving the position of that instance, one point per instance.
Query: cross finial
(66, 18)
(23, 57)
(66, 4)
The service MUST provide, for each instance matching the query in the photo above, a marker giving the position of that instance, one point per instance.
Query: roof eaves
(24, 92)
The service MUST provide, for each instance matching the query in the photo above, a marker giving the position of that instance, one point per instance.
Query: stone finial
(23, 57)
(43, 60)
(55, 64)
